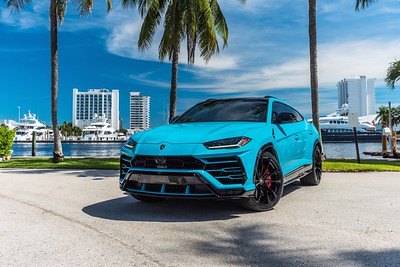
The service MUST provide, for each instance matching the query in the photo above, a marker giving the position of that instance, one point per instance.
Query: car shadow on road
(171, 210)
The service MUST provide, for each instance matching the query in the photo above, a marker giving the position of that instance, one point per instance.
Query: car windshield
(252, 110)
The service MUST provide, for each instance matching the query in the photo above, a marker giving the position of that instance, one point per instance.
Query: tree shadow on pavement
(267, 245)
(373, 258)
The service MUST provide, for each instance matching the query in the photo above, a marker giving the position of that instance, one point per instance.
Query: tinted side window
(279, 108)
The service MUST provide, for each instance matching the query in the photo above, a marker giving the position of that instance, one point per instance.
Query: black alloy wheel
(314, 177)
(268, 181)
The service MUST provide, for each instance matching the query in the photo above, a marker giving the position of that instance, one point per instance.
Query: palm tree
(196, 21)
(57, 11)
(312, 31)
(383, 115)
(393, 74)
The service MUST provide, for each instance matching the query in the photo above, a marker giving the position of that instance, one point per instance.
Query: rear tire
(147, 199)
(314, 177)
(269, 184)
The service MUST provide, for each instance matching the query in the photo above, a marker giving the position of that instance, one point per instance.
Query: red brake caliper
(267, 177)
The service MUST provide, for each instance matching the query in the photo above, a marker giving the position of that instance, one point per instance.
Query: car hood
(195, 132)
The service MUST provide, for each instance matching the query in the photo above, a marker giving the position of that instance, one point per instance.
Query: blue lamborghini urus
(238, 148)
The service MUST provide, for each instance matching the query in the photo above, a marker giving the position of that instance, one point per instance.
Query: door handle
(310, 133)
(296, 137)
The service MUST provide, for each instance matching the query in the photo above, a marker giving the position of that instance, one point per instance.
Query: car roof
(265, 98)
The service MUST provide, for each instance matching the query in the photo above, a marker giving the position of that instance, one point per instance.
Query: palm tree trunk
(313, 63)
(174, 84)
(57, 152)
(312, 32)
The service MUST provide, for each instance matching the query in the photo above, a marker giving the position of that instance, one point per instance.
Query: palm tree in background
(57, 11)
(196, 21)
(383, 115)
(393, 72)
(312, 32)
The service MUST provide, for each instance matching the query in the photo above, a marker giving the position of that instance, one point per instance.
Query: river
(112, 149)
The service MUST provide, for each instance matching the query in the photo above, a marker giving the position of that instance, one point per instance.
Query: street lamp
(19, 114)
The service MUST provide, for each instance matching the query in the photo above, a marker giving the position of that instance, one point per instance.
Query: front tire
(314, 177)
(268, 180)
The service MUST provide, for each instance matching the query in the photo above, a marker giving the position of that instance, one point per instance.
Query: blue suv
(238, 148)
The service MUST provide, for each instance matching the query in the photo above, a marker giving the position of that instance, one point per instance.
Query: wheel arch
(269, 147)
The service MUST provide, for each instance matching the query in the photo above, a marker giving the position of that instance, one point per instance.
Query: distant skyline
(267, 54)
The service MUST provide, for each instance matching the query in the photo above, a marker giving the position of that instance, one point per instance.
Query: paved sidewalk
(81, 218)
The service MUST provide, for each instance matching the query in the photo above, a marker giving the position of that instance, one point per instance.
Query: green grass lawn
(113, 164)
(69, 163)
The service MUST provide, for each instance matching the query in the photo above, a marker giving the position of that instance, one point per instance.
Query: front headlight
(130, 143)
(235, 142)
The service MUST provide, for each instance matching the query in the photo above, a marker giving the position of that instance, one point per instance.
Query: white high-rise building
(95, 103)
(139, 112)
(359, 94)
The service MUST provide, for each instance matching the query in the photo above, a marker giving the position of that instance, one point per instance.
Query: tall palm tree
(196, 21)
(312, 31)
(57, 11)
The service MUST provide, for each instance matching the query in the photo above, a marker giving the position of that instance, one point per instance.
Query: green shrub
(6, 141)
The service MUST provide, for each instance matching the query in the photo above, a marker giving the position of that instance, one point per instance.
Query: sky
(267, 54)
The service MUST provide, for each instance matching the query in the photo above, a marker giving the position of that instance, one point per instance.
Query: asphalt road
(81, 218)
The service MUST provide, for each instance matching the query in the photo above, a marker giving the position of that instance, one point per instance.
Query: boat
(340, 124)
(335, 127)
(100, 131)
(29, 124)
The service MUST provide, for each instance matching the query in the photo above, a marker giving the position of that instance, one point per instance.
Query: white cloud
(28, 18)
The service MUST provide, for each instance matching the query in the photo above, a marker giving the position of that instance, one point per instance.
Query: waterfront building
(139, 112)
(358, 93)
(88, 107)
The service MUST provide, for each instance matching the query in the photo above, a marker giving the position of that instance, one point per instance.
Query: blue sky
(267, 54)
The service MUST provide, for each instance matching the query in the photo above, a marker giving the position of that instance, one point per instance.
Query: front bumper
(184, 176)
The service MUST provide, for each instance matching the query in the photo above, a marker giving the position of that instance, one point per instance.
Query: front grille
(170, 162)
(125, 164)
(228, 170)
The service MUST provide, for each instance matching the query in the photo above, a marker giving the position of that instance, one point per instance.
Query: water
(112, 149)
(103, 150)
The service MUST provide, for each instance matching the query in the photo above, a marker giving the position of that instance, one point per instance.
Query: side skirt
(297, 174)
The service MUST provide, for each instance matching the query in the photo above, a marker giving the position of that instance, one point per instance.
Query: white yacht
(28, 124)
(100, 131)
(340, 124)
(337, 122)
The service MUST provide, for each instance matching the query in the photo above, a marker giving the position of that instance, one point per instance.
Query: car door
(288, 128)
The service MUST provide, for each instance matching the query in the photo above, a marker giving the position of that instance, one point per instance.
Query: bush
(6, 141)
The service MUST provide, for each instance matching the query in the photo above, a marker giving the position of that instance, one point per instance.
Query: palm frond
(84, 6)
(363, 4)
(393, 74)
(219, 21)
(16, 5)
(61, 9)
(129, 3)
(173, 30)
(109, 5)
(151, 21)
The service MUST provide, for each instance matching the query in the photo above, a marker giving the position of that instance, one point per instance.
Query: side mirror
(285, 117)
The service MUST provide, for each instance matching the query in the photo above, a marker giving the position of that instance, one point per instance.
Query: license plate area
(166, 179)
